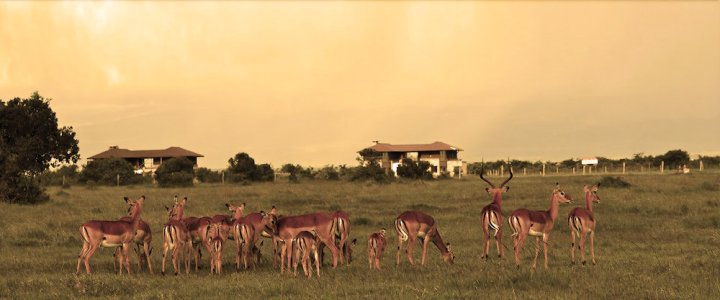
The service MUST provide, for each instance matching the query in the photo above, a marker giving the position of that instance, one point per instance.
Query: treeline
(672, 159)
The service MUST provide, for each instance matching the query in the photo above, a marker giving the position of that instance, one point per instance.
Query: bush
(614, 182)
(206, 175)
(414, 169)
(21, 190)
(328, 173)
(55, 178)
(105, 172)
(175, 172)
(264, 172)
(242, 167)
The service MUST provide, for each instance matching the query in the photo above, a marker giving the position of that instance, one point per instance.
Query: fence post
(118, 179)
(573, 170)
(557, 169)
(543, 171)
(583, 169)
(662, 166)
(623, 167)
(222, 177)
(702, 167)
(502, 171)
(63, 182)
(525, 171)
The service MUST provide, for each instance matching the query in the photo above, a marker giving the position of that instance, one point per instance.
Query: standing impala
(289, 227)
(376, 247)
(307, 244)
(247, 230)
(108, 234)
(341, 230)
(217, 237)
(581, 222)
(176, 237)
(412, 225)
(492, 216)
(143, 237)
(525, 222)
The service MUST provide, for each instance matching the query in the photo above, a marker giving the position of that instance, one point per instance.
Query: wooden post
(63, 183)
(557, 169)
(118, 179)
(662, 166)
(543, 171)
(524, 171)
(573, 170)
(502, 171)
(222, 177)
(583, 169)
(623, 168)
(702, 167)
(590, 169)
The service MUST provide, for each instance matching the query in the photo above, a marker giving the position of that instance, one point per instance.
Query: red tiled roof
(125, 153)
(436, 146)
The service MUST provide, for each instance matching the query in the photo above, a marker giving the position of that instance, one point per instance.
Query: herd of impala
(300, 239)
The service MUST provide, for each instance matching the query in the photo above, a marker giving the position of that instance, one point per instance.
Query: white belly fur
(108, 245)
(535, 233)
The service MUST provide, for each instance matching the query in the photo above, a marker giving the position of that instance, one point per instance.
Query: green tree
(676, 158)
(409, 168)
(264, 172)
(105, 171)
(241, 167)
(31, 142)
(175, 172)
(207, 176)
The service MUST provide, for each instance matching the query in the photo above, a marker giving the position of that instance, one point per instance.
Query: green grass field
(659, 238)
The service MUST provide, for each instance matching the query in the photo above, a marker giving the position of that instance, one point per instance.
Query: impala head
(382, 231)
(592, 193)
(560, 195)
(270, 221)
(237, 211)
(449, 257)
(273, 210)
(496, 190)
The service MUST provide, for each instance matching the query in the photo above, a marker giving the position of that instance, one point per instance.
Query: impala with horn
(492, 216)
(412, 225)
(176, 237)
(581, 222)
(524, 222)
(109, 234)
(289, 227)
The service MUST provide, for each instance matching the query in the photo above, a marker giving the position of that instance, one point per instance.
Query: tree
(676, 158)
(31, 142)
(207, 176)
(105, 171)
(414, 170)
(242, 167)
(175, 172)
(264, 172)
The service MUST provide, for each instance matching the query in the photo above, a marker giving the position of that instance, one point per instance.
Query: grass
(656, 239)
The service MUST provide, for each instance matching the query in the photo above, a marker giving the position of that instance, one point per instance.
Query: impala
(376, 247)
(412, 225)
(341, 230)
(289, 227)
(526, 222)
(492, 216)
(307, 244)
(247, 230)
(143, 237)
(216, 237)
(176, 237)
(108, 234)
(582, 221)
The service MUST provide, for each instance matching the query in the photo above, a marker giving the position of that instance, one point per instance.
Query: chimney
(113, 147)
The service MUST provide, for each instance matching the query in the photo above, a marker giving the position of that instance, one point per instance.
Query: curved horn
(482, 171)
(507, 180)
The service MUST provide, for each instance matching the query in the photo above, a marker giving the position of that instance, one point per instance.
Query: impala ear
(507, 188)
(273, 210)
(263, 213)
(598, 184)
(242, 205)
(167, 208)
(150, 251)
(127, 200)
(448, 247)
(487, 190)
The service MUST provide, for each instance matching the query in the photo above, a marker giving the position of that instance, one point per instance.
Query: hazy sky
(314, 82)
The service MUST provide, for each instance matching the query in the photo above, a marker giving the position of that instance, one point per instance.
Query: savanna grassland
(659, 238)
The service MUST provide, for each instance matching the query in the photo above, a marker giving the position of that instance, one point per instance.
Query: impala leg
(317, 263)
(498, 242)
(333, 250)
(399, 249)
(175, 259)
(238, 252)
(583, 238)
(88, 255)
(343, 248)
(126, 256)
(426, 241)
(146, 248)
(411, 245)
(81, 256)
(572, 245)
(165, 250)
(246, 254)
(118, 260)
(519, 242)
(592, 246)
(195, 255)
(486, 242)
(537, 252)
(371, 258)
(283, 251)
(188, 248)
(546, 237)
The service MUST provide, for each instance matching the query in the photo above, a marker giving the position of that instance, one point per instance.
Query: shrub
(208, 176)
(105, 172)
(241, 167)
(328, 173)
(614, 182)
(175, 172)
(414, 169)
(264, 172)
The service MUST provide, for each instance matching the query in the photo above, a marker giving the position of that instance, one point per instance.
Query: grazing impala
(376, 246)
(216, 237)
(247, 230)
(341, 230)
(143, 238)
(289, 227)
(525, 222)
(176, 237)
(412, 225)
(107, 234)
(492, 216)
(307, 244)
(581, 222)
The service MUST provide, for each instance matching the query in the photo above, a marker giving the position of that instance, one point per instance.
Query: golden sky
(314, 82)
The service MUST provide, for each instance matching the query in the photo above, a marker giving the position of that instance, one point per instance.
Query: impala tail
(401, 229)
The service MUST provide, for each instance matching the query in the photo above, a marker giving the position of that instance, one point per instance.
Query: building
(442, 157)
(146, 161)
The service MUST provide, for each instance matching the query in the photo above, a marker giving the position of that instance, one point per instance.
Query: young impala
(216, 237)
(247, 230)
(176, 237)
(376, 247)
(492, 216)
(307, 244)
(289, 227)
(143, 238)
(581, 222)
(108, 234)
(525, 222)
(412, 225)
